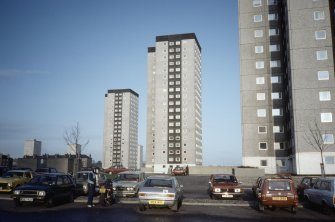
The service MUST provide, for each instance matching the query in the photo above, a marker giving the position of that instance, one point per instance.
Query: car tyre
(261, 207)
(141, 207)
(49, 203)
(17, 203)
(71, 198)
(293, 210)
(325, 209)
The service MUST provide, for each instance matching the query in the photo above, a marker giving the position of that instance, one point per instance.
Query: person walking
(91, 189)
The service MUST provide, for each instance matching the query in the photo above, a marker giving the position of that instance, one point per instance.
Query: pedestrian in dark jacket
(91, 182)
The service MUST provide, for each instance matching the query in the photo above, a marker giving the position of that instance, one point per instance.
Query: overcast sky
(58, 58)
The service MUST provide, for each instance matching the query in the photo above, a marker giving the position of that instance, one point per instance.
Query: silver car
(160, 191)
(127, 183)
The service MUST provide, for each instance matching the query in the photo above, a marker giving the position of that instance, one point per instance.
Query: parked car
(278, 192)
(47, 189)
(160, 191)
(224, 186)
(306, 183)
(14, 178)
(127, 183)
(322, 194)
(39, 171)
(179, 171)
(82, 184)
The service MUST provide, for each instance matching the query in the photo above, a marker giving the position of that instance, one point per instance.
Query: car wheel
(49, 203)
(325, 209)
(141, 207)
(17, 203)
(293, 210)
(71, 198)
(260, 207)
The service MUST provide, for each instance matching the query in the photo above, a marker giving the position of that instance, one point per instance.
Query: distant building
(32, 147)
(72, 149)
(287, 83)
(174, 110)
(120, 129)
(6, 160)
(139, 157)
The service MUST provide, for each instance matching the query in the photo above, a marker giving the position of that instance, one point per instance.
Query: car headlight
(84, 187)
(217, 189)
(41, 193)
(16, 192)
(237, 190)
(130, 188)
(114, 188)
(9, 184)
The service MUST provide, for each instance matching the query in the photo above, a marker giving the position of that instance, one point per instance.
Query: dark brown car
(306, 183)
(179, 171)
(278, 192)
(224, 186)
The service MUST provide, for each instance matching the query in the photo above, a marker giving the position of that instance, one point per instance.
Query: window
(329, 160)
(275, 63)
(273, 17)
(263, 146)
(258, 18)
(273, 32)
(321, 55)
(277, 112)
(321, 34)
(324, 96)
(281, 163)
(259, 64)
(257, 3)
(328, 138)
(326, 117)
(171, 152)
(279, 146)
(262, 129)
(258, 33)
(272, 2)
(275, 79)
(274, 48)
(323, 75)
(319, 15)
(259, 49)
(177, 151)
(278, 129)
(276, 95)
(261, 112)
(260, 96)
(264, 163)
(260, 80)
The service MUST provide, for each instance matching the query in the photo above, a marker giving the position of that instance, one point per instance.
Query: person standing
(91, 182)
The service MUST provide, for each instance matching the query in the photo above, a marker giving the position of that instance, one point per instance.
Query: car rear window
(225, 179)
(128, 177)
(279, 185)
(158, 183)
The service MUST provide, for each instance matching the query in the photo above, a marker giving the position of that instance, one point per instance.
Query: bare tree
(72, 138)
(316, 138)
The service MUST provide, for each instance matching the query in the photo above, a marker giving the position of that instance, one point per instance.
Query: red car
(179, 171)
(224, 186)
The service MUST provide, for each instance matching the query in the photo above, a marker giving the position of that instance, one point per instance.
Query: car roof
(130, 172)
(161, 177)
(21, 171)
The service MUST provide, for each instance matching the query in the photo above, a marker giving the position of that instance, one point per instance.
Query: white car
(160, 191)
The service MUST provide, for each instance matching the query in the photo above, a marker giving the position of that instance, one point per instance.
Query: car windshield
(13, 174)
(158, 183)
(179, 168)
(130, 177)
(45, 179)
(82, 176)
(42, 170)
(279, 185)
(225, 179)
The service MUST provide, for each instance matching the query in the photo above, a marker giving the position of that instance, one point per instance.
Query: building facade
(32, 147)
(120, 145)
(174, 113)
(287, 84)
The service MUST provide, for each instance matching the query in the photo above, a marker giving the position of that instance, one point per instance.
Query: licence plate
(279, 198)
(156, 202)
(227, 196)
(28, 199)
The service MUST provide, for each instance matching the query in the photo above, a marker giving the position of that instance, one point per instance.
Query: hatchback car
(47, 188)
(127, 183)
(322, 194)
(306, 183)
(278, 192)
(160, 191)
(14, 178)
(224, 186)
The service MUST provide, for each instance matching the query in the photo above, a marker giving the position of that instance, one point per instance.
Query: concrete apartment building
(287, 83)
(120, 143)
(32, 147)
(174, 118)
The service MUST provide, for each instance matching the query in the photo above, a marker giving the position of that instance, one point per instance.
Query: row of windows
(259, 33)
(272, 48)
(271, 17)
(258, 3)
(276, 145)
(273, 64)
(276, 129)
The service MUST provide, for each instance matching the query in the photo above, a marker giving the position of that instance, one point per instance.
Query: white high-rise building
(174, 118)
(32, 147)
(120, 145)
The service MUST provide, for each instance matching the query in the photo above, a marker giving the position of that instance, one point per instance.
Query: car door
(313, 194)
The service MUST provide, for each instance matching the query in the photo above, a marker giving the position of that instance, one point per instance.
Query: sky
(58, 59)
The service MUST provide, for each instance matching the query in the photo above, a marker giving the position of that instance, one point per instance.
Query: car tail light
(170, 195)
(141, 194)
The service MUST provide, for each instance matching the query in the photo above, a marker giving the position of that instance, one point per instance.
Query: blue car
(322, 194)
